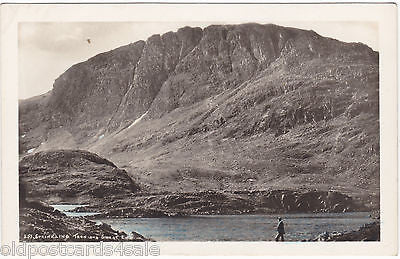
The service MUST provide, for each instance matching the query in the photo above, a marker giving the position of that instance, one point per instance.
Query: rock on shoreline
(41, 223)
(368, 232)
(223, 203)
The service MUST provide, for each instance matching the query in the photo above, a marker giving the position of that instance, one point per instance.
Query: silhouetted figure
(281, 230)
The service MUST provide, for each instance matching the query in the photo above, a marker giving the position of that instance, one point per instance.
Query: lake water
(231, 227)
(239, 227)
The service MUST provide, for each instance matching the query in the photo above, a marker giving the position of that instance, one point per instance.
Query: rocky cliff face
(167, 71)
(242, 107)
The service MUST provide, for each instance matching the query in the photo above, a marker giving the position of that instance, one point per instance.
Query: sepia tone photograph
(224, 130)
(220, 132)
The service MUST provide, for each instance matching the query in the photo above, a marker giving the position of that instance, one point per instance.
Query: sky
(46, 50)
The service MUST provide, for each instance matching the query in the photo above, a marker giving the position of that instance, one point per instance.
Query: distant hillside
(228, 107)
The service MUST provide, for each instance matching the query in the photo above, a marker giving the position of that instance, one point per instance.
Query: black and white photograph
(217, 130)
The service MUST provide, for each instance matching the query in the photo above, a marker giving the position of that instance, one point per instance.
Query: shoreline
(367, 232)
(95, 232)
(108, 190)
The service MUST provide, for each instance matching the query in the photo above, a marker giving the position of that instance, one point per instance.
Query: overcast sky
(46, 50)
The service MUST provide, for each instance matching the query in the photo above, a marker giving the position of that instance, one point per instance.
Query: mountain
(245, 107)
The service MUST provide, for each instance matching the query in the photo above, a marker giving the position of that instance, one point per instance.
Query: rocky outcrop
(72, 176)
(368, 232)
(226, 203)
(41, 223)
(286, 201)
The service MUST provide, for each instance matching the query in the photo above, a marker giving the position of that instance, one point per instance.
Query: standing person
(281, 230)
